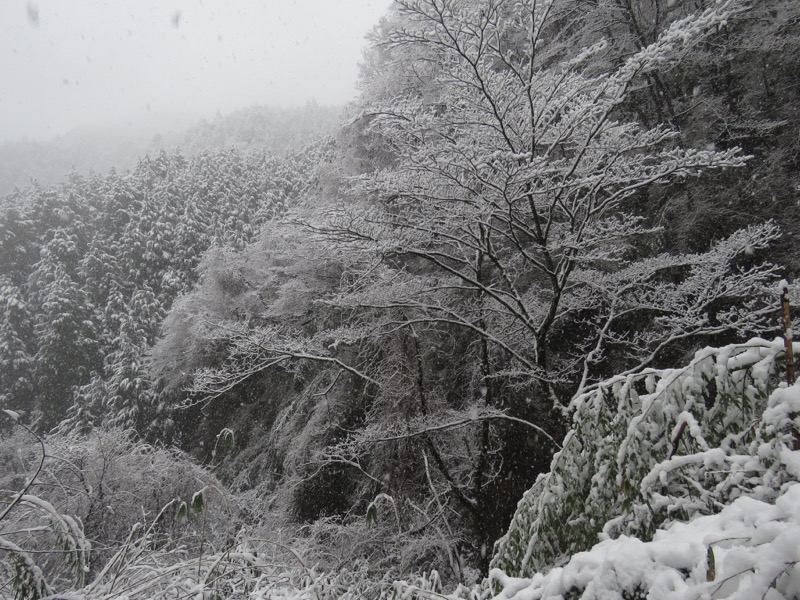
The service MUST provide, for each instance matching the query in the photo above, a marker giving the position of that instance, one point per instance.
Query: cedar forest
(511, 329)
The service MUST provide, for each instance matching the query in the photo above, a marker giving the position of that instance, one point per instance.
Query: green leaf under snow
(372, 514)
(183, 512)
(198, 501)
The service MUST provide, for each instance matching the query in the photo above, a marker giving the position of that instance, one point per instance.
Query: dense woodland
(510, 319)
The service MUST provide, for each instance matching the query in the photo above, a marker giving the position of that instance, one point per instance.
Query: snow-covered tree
(516, 185)
(16, 360)
(67, 338)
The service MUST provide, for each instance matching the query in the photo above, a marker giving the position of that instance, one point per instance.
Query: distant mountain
(85, 150)
(262, 128)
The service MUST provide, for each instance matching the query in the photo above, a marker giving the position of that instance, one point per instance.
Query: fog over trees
(513, 323)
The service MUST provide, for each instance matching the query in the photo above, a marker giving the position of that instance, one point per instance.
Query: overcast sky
(71, 63)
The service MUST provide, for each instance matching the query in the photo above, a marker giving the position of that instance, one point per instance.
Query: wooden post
(787, 332)
(786, 314)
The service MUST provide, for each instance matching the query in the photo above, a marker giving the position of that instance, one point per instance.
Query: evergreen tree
(16, 362)
(68, 341)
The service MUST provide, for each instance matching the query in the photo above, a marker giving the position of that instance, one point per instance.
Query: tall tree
(516, 185)
(68, 337)
(16, 360)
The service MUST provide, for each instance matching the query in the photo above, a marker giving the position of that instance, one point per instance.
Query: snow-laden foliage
(107, 517)
(673, 484)
(658, 447)
(516, 195)
(91, 266)
(95, 502)
(748, 550)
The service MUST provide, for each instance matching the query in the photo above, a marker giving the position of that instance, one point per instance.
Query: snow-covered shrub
(96, 496)
(60, 550)
(658, 447)
(748, 550)
(39, 544)
(111, 482)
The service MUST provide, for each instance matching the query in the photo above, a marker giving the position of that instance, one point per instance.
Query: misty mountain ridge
(121, 145)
